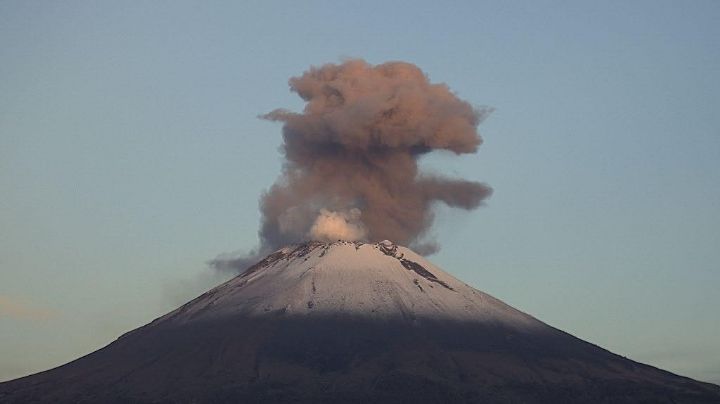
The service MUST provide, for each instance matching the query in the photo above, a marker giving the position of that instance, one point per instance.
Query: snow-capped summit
(380, 280)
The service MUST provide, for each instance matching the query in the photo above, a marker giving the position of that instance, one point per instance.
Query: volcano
(348, 322)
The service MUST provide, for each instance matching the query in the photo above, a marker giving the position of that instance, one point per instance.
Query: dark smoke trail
(351, 167)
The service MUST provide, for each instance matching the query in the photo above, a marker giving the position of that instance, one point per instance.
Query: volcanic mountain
(348, 322)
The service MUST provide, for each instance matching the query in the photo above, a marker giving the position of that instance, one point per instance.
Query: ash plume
(351, 157)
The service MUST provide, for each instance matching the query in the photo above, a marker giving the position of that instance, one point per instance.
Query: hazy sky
(131, 154)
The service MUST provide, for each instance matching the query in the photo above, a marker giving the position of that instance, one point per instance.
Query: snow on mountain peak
(381, 281)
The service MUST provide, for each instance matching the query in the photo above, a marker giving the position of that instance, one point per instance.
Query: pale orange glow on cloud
(21, 309)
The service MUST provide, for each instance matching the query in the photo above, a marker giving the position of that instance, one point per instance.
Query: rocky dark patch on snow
(420, 270)
(387, 247)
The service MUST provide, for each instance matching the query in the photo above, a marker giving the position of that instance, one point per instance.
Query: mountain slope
(351, 322)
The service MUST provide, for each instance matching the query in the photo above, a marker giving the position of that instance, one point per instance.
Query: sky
(131, 154)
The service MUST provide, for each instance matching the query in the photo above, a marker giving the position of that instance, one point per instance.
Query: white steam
(332, 226)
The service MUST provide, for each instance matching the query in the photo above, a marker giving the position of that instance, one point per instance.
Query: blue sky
(131, 153)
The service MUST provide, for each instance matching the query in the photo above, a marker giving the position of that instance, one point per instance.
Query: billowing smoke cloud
(351, 169)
